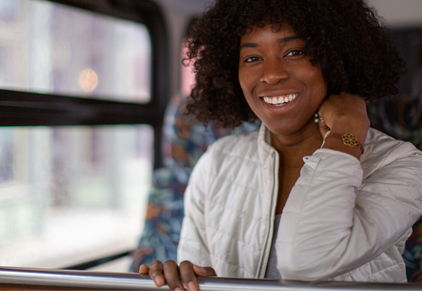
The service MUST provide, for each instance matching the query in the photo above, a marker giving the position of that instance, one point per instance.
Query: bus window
(187, 74)
(75, 192)
(51, 48)
(71, 194)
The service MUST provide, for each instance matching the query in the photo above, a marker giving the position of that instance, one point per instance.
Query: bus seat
(402, 118)
(185, 140)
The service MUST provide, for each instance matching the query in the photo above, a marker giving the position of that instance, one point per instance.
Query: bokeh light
(88, 80)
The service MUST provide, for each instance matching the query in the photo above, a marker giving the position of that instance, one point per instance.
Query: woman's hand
(344, 113)
(175, 276)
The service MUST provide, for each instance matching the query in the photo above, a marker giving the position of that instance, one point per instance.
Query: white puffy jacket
(343, 220)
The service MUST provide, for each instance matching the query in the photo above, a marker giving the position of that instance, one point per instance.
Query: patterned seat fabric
(402, 119)
(185, 140)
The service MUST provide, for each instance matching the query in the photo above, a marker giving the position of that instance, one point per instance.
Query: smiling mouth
(280, 100)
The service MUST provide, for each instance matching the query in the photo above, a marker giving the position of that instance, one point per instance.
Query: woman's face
(280, 84)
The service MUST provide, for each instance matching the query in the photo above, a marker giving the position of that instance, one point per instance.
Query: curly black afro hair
(344, 37)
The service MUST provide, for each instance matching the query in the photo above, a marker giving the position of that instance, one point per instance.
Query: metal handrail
(131, 281)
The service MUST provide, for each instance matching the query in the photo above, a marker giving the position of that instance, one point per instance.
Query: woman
(315, 194)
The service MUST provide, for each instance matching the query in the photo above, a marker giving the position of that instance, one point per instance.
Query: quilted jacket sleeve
(337, 220)
(192, 245)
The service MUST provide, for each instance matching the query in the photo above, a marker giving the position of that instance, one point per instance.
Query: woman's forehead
(283, 31)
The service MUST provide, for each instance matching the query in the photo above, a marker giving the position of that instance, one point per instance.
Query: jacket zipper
(264, 260)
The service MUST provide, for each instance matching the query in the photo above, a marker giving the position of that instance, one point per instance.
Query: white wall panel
(399, 13)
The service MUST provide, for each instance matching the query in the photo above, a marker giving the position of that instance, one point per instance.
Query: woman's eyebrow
(248, 44)
(287, 39)
(280, 40)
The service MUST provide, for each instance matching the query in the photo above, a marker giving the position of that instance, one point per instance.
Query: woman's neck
(292, 148)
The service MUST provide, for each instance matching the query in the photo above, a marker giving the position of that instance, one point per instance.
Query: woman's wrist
(338, 145)
(358, 128)
(348, 138)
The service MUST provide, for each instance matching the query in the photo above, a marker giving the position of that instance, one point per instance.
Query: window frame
(19, 108)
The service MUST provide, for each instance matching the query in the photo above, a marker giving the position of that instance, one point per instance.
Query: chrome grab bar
(131, 281)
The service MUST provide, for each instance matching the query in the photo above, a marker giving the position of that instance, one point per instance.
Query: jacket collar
(265, 150)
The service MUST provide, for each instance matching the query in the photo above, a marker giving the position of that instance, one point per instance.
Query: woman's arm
(336, 220)
(193, 239)
(334, 223)
(192, 251)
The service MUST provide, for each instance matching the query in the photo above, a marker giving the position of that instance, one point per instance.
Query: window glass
(51, 48)
(72, 194)
(187, 75)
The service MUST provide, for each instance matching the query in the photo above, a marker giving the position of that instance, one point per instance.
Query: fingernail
(158, 281)
(192, 286)
(178, 289)
(200, 268)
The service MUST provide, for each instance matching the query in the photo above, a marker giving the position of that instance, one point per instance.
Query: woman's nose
(274, 71)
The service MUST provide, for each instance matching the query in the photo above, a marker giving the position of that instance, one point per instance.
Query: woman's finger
(188, 276)
(323, 128)
(204, 271)
(143, 269)
(171, 275)
(156, 273)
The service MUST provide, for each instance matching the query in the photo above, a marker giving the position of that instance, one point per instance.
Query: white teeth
(278, 101)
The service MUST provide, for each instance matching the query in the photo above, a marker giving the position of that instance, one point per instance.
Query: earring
(317, 118)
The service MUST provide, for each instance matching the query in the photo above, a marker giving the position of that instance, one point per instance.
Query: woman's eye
(252, 59)
(295, 53)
